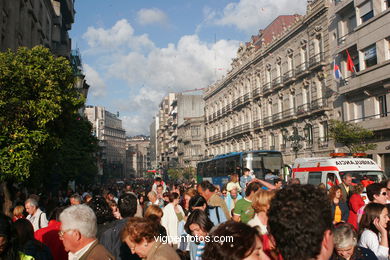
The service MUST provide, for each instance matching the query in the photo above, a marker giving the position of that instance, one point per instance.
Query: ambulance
(330, 170)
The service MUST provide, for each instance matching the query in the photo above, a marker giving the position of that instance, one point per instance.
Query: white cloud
(97, 85)
(152, 16)
(150, 75)
(251, 15)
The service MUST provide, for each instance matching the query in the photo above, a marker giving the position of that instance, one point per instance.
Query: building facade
(137, 156)
(107, 128)
(36, 22)
(278, 95)
(191, 143)
(174, 110)
(360, 32)
(153, 143)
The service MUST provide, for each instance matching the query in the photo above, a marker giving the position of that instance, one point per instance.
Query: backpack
(216, 215)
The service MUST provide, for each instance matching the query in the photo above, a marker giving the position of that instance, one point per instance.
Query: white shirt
(34, 219)
(255, 222)
(370, 240)
(78, 254)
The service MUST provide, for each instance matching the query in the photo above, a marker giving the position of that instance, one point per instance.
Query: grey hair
(81, 218)
(76, 197)
(153, 194)
(344, 236)
(32, 202)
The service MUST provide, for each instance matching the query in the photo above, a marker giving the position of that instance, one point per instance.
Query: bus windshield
(358, 176)
(263, 162)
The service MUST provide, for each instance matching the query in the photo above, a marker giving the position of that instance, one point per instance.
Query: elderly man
(75, 199)
(78, 234)
(35, 215)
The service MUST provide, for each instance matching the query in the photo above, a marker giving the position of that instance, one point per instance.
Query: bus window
(230, 166)
(220, 167)
(210, 170)
(273, 162)
(314, 178)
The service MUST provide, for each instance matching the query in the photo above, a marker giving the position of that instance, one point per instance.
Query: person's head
(347, 179)
(152, 196)
(198, 224)
(377, 192)
(278, 183)
(110, 196)
(18, 211)
(234, 193)
(75, 199)
(245, 243)
(165, 196)
(387, 185)
(24, 231)
(300, 220)
(102, 210)
(206, 189)
(252, 188)
(139, 235)
(174, 198)
(158, 180)
(335, 192)
(261, 200)
(7, 238)
(160, 189)
(188, 194)
(234, 177)
(127, 205)
(371, 212)
(294, 181)
(153, 210)
(31, 206)
(246, 171)
(197, 202)
(358, 189)
(345, 240)
(78, 227)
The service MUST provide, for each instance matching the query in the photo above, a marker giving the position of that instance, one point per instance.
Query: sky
(135, 52)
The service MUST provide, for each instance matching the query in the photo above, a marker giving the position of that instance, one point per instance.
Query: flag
(350, 65)
(336, 71)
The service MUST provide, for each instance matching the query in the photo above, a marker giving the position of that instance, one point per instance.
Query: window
(382, 106)
(370, 58)
(309, 134)
(314, 178)
(366, 11)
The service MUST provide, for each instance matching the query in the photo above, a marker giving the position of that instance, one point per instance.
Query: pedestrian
(356, 205)
(346, 187)
(245, 179)
(340, 210)
(243, 210)
(35, 215)
(173, 214)
(208, 191)
(140, 236)
(78, 234)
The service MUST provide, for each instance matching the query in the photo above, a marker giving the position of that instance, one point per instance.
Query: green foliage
(39, 126)
(189, 173)
(353, 136)
(174, 173)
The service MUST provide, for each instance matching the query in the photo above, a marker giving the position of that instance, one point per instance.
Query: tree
(174, 174)
(40, 128)
(353, 136)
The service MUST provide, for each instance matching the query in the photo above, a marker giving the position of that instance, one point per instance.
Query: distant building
(153, 143)
(36, 22)
(137, 155)
(107, 127)
(174, 110)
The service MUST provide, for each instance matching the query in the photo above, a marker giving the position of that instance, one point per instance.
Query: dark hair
(77, 197)
(55, 213)
(172, 196)
(243, 242)
(198, 217)
(102, 210)
(245, 170)
(371, 212)
(298, 217)
(197, 201)
(206, 185)
(158, 179)
(24, 230)
(252, 187)
(7, 231)
(127, 205)
(277, 180)
(374, 189)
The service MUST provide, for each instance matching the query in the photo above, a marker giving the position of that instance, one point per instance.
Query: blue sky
(136, 51)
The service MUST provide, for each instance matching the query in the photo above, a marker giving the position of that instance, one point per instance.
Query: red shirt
(49, 236)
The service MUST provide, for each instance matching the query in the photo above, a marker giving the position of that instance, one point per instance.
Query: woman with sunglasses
(373, 234)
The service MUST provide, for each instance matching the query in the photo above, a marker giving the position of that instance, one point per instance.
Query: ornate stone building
(361, 28)
(36, 22)
(278, 92)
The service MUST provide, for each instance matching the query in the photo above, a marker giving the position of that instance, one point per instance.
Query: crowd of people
(247, 218)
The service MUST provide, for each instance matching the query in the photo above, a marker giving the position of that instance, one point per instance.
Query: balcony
(302, 109)
(277, 82)
(228, 108)
(283, 147)
(276, 117)
(267, 120)
(289, 76)
(218, 114)
(246, 98)
(257, 123)
(317, 60)
(272, 147)
(256, 93)
(267, 88)
(301, 69)
(236, 103)
(223, 111)
(288, 113)
(319, 103)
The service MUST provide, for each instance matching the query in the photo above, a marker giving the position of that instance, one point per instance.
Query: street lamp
(295, 140)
